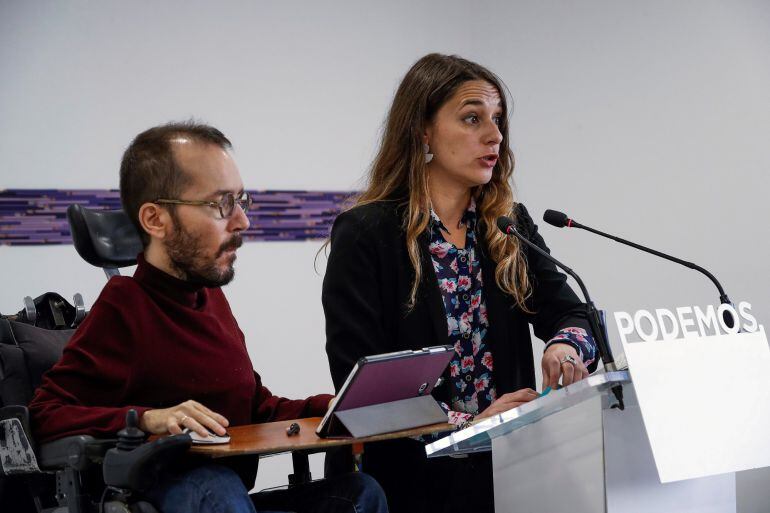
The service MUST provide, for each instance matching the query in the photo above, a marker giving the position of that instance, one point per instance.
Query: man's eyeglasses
(226, 203)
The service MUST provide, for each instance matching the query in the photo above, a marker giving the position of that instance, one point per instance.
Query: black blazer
(365, 291)
(369, 277)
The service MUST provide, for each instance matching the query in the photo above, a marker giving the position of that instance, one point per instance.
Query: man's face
(202, 245)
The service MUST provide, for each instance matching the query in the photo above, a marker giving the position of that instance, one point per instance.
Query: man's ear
(155, 220)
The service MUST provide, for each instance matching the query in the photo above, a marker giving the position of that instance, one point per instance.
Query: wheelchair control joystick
(136, 465)
(131, 437)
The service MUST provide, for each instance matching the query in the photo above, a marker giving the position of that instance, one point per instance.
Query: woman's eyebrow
(476, 101)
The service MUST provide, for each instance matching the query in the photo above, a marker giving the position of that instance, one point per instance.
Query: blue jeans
(218, 489)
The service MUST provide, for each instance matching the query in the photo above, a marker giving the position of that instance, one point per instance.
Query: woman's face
(465, 137)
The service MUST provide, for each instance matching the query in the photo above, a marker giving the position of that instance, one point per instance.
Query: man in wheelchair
(165, 343)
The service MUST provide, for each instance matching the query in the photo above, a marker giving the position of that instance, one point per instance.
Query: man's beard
(186, 256)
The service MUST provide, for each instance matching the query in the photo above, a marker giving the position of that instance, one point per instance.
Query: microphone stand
(555, 218)
(594, 319)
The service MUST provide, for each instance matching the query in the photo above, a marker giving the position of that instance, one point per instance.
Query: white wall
(647, 119)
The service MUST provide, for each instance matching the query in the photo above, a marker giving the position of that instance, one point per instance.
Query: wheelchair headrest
(104, 238)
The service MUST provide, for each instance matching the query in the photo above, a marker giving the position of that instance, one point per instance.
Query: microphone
(506, 225)
(560, 220)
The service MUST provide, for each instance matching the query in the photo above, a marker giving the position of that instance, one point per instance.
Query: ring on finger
(568, 359)
(185, 417)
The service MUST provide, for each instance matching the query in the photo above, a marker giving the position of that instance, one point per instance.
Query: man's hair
(148, 170)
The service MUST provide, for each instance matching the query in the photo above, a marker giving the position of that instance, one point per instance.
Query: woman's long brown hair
(398, 172)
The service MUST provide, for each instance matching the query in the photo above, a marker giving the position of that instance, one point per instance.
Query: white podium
(570, 452)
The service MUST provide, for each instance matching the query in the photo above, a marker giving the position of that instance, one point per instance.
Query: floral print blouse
(458, 271)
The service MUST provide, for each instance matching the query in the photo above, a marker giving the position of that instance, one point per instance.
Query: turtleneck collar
(183, 292)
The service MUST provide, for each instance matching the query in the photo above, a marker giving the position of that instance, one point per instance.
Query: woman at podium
(419, 261)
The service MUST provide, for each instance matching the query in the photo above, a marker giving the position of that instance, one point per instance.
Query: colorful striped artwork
(38, 216)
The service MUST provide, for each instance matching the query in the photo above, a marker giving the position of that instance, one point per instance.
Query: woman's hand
(508, 402)
(189, 414)
(562, 361)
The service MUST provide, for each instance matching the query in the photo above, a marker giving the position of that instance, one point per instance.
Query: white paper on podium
(705, 402)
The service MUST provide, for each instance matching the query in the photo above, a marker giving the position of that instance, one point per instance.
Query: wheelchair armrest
(138, 469)
(77, 452)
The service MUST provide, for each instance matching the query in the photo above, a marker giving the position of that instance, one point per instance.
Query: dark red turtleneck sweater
(154, 341)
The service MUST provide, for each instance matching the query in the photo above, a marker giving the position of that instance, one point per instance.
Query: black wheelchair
(76, 474)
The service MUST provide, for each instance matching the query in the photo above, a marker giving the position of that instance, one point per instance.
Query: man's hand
(507, 402)
(562, 361)
(189, 414)
(331, 402)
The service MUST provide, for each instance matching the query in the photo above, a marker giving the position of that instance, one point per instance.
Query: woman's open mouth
(489, 160)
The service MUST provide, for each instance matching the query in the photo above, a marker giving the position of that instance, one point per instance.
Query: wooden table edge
(270, 438)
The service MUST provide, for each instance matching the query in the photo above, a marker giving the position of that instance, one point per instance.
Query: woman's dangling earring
(428, 154)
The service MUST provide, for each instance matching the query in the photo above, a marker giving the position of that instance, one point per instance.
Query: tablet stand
(386, 417)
